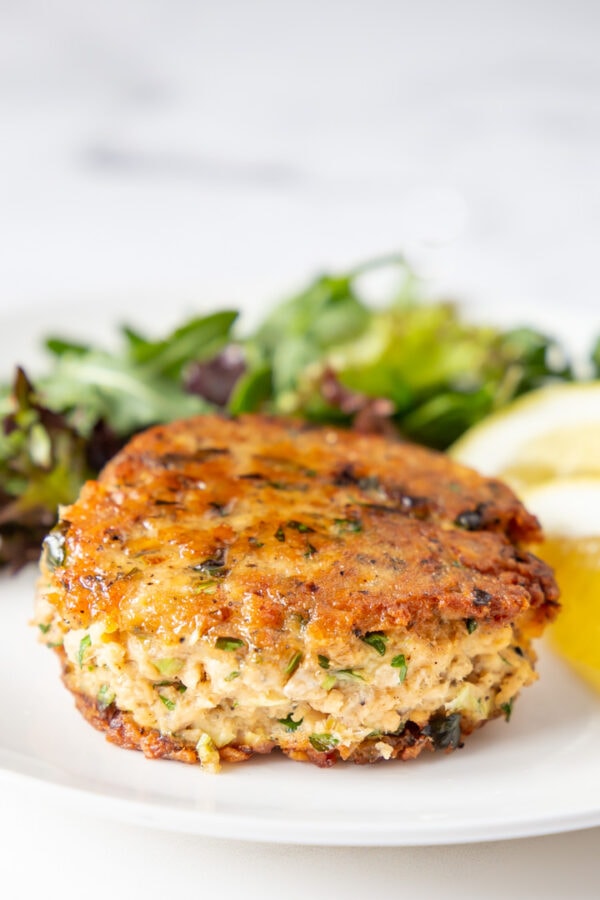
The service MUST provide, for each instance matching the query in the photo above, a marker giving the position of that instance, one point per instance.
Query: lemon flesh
(569, 510)
(576, 632)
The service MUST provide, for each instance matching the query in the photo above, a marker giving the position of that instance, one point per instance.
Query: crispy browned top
(256, 527)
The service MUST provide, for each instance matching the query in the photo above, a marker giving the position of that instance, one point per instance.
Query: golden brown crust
(236, 527)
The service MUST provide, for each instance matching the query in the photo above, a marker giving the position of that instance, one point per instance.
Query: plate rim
(279, 829)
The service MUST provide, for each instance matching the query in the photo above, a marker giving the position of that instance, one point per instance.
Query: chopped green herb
(229, 643)
(352, 525)
(507, 709)
(310, 551)
(444, 731)
(43, 627)
(214, 566)
(254, 542)
(471, 625)
(377, 640)
(399, 662)
(83, 646)
(293, 663)
(289, 723)
(302, 527)
(280, 534)
(323, 742)
(328, 682)
(232, 676)
(323, 661)
(168, 703)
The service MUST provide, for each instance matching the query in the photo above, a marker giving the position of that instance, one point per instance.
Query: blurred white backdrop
(183, 150)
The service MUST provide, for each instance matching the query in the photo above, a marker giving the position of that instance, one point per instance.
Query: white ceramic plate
(538, 775)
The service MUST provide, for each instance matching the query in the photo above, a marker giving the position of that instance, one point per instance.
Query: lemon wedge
(569, 510)
(550, 433)
(546, 445)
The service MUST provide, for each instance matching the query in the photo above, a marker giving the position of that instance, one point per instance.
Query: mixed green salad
(407, 365)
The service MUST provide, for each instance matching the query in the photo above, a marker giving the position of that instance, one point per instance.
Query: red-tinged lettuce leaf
(43, 463)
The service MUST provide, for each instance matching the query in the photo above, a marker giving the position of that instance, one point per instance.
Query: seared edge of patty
(384, 697)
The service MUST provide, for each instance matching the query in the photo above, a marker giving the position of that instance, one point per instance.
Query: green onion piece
(228, 643)
(399, 662)
(280, 534)
(168, 666)
(507, 709)
(43, 628)
(377, 640)
(323, 742)
(293, 663)
(348, 675)
(471, 625)
(231, 676)
(289, 723)
(104, 697)
(207, 587)
(323, 661)
(168, 703)
(83, 646)
(310, 551)
(328, 682)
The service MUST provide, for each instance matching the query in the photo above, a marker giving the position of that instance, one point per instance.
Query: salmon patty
(229, 586)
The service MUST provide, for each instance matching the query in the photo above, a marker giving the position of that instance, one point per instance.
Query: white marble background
(157, 154)
(171, 147)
